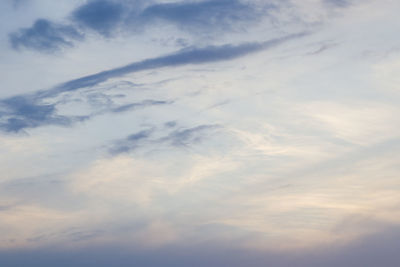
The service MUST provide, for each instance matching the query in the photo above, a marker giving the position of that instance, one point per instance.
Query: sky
(199, 133)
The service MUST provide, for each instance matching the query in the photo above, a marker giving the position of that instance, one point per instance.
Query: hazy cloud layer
(199, 133)
(369, 252)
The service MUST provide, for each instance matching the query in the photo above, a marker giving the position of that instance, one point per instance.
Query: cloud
(109, 18)
(170, 124)
(338, 3)
(204, 55)
(101, 16)
(201, 16)
(380, 249)
(18, 3)
(22, 112)
(6, 207)
(131, 142)
(189, 136)
(45, 36)
(142, 104)
(176, 138)
(28, 111)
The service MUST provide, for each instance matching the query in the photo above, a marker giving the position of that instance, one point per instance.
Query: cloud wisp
(101, 16)
(21, 112)
(109, 18)
(30, 111)
(131, 142)
(192, 56)
(177, 138)
(338, 3)
(199, 16)
(145, 103)
(45, 36)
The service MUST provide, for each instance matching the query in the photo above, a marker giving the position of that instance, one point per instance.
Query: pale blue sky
(199, 133)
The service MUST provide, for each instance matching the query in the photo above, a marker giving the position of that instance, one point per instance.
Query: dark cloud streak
(145, 103)
(192, 56)
(29, 111)
(45, 36)
(200, 16)
(22, 112)
(101, 16)
(186, 137)
(177, 138)
(131, 142)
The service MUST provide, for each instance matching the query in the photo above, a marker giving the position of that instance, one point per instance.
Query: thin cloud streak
(177, 138)
(28, 111)
(208, 54)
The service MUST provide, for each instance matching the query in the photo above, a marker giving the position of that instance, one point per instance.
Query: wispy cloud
(30, 111)
(109, 18)
(185, 137)
(208, 54)
(145, 103)
(338, 3)
(200, 16)
(131, 142)
(45, 36)
(101, 16)
(24, 112)
(20, 112)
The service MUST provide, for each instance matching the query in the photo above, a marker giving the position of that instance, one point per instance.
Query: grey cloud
(176, 138)
(185, 137)
(45, 36)
(101, 16)
(48, 190)
(322, 48)
(201, 16)
(23, 112)
(20, 112)
(109, 18)
(30, 111)
(73, 234)
(84, 235)
(6, 207)
(338, 3)
(380, 249)
(18, 3)
(131, 142)
(183, 57)
(145, 103)
(170, 124)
